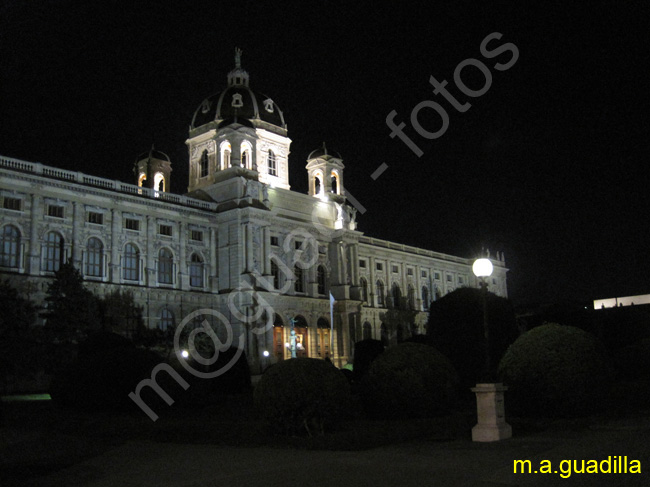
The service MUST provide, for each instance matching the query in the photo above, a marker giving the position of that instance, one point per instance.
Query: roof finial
(324, 148)
(238, 53)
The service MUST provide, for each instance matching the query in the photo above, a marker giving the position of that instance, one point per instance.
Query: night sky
(550, 165)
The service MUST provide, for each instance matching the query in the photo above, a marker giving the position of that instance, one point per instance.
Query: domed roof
(239, 104)
(154, 154)
(323, 153)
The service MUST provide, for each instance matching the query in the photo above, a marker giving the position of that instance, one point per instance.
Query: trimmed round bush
(555, 370)
(365, 351)
(410, 380)
(303, 395)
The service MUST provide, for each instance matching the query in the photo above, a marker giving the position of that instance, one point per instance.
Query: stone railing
(110, 184)
(376, 242)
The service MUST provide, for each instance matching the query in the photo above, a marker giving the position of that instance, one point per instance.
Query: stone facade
(240, 242)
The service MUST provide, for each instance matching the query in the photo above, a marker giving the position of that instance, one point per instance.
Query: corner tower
(153, 170)
(237, 133)
(325, 173)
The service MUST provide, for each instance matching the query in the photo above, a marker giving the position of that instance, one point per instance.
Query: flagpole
(332, 325)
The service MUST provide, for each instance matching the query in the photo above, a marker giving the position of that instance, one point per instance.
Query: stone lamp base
(491, 414)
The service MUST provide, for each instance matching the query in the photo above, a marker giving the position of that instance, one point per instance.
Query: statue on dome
(238, 53)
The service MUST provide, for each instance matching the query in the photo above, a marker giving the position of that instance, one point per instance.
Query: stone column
(77, 223)
(150, 268)
(248, 227)
(214, 264)
(266, 252)
(115, 255)
(34, 265)
(182, 260)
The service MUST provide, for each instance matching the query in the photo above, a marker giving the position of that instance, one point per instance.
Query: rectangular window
(380, 266)
(395, 268)
(96, 218)
(424, 273)
(55, 211)
(274, 241)
(297, 244)
(449, 277)
(196, 235)
(436, 275)
(12, 203)
(460, 280)
(409, 272)
(131, 224)
(165, 230)
(362, 264)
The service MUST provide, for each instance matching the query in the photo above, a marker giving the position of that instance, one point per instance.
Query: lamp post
(490, 407)
(483, 268)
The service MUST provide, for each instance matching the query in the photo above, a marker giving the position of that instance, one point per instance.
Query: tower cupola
(325, 173)
(153, 170)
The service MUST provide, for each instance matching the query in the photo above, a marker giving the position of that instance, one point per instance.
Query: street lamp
(483, 268)
(490, 407)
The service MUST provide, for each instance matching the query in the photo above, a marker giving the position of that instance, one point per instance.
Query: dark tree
(72, 310)
(17, 315)
(399, 318)
(121, 315)
(456, 329)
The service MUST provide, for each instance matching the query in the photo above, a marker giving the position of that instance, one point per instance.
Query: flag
(331, 324)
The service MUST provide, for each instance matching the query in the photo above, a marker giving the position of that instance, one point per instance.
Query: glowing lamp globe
(482, 268)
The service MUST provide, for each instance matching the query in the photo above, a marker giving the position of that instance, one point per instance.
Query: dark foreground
(43, 446)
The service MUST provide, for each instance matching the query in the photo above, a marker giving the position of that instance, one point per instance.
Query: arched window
(367, 331)
(53, 252)
(396, 293)
(320, 278)
(298, 284)
(425, 298)
(244, 160)
(275, 272)
(380, 293)
(385, 339)
(142, 178)
(335, 182)
(196, 271)
(159, 181)
(94, 258)
(317, 185)
(166, 320)
(272, 163)
(364, 290)
(411, 296)
(165, 266)
(204, 164)
(9, 246)
(131, 265)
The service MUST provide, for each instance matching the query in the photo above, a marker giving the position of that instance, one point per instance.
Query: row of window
(53, 256)
(299, 278)
(246, 161)
(410, 271)
(395, 294)
(97, 218)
